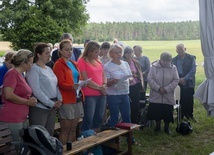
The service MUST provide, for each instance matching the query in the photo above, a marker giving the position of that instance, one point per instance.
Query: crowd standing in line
(117, 87)
(145, 67)
(113, 81)
(186, 66)
(95, 92)
(17, 94)
(43, 82)
(68, 76)
(4, 68)
(162, 79)
(135, 84)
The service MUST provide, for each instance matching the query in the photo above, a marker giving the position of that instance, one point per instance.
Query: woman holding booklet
(95, 93)
(118, 74)
(68, 78)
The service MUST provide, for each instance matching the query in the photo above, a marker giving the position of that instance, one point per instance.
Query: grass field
(201, 141)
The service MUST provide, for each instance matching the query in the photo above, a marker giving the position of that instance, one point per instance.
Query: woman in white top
(43, 82)
(118, 73)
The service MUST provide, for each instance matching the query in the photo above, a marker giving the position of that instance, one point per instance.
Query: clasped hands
(57, 104)
(182, 81)
(162, 90)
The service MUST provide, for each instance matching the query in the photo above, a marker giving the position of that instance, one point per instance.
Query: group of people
(116, 79)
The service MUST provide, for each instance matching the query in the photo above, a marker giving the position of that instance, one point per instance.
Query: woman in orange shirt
(68, 76)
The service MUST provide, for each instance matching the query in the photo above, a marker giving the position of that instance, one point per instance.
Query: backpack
(184, 128)
(96, 150)
(38, 135)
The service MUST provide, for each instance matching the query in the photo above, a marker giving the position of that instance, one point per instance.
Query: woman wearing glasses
(136, 83)
(16, 95)
(162, 79)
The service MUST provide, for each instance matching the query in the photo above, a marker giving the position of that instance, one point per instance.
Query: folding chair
(177, 105)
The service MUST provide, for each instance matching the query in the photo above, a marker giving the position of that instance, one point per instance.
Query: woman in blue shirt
(5, 67)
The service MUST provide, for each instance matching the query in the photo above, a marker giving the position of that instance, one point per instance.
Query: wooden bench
(5, 140)
(104, 138)
(7, 145)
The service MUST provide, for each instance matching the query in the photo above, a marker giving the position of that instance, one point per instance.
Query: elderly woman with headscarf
(162, 79)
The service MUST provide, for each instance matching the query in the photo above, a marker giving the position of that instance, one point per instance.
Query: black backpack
(184, 128)
(38, 135)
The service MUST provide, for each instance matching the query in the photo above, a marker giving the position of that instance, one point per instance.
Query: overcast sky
(143, 10)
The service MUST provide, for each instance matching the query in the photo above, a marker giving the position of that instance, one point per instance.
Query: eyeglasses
(30, 55)
(129, 52)
(119, 52)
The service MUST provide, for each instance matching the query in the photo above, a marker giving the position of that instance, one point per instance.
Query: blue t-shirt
(74, 71)
(3, 71)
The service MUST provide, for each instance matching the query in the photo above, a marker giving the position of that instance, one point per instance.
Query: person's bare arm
(9, 95)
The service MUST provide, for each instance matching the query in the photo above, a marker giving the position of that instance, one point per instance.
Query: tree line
(128, 31)
(24, 23)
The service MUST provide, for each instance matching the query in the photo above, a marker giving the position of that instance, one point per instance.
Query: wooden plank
(6, 139)
(81, 145)
(3, 126)
(108, 135)
(5, 133)
(6, 148)
(99, 138)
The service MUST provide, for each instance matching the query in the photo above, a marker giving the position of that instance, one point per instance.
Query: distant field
(153, 49)
(4, 46)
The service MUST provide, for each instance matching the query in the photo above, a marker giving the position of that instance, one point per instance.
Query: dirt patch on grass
(4, 46)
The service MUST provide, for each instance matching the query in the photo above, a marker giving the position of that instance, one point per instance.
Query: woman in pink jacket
(162, 79)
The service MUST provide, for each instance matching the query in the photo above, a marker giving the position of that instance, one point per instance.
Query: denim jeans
(116, 104)
(94, 108)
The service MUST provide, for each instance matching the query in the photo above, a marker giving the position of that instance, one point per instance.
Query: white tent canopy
(205, 91)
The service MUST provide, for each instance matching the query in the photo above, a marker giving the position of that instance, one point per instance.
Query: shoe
(158, 126)
(133, 141)
(157, 129)
(166, 128)
(167, 131)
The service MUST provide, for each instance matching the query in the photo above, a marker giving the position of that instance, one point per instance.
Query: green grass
(201, 140)
(2, 53)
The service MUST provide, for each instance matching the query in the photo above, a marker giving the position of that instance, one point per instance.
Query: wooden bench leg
(129, 142)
